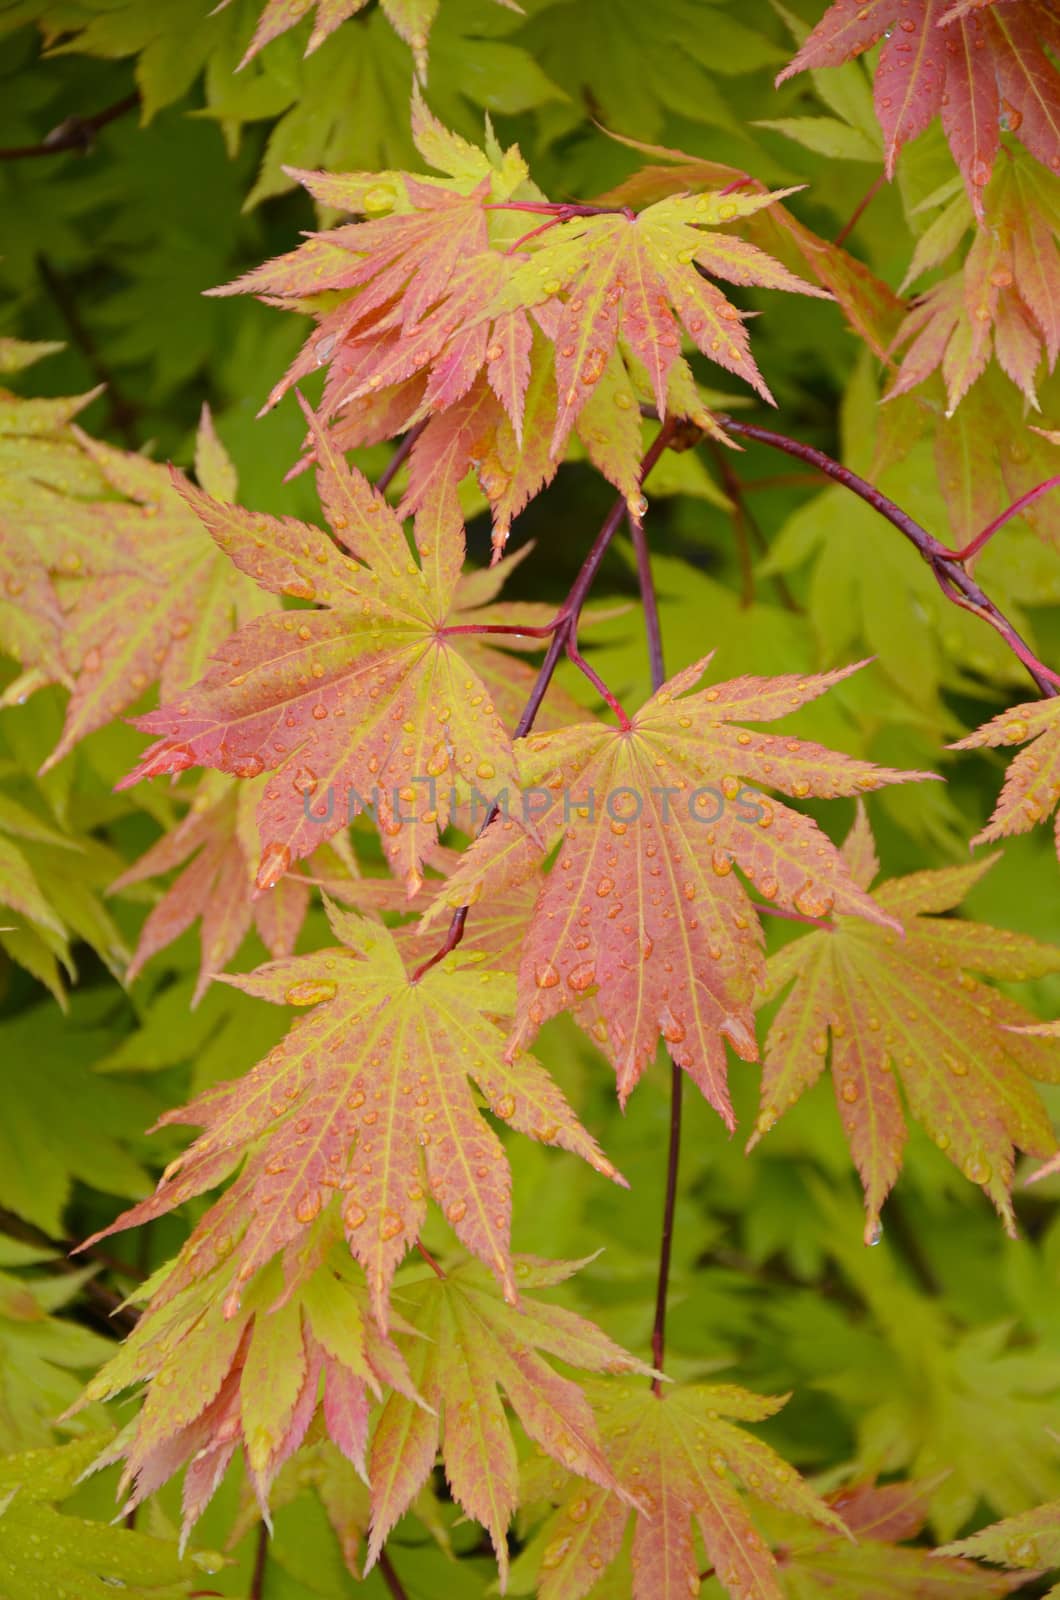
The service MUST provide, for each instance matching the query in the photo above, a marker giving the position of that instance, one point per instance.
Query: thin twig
(426, 1254)
(1014, 510)
(261, 1561)
(565, 633)
(653, 630)
(73, 133)
(390, 1577)
(955, 582)
(611, 700)
(400, 456)
(859, 210)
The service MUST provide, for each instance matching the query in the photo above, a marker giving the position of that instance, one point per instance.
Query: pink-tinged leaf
(133, 626)
(475, 1352)
(970, 106)
(508, 364)
(908, 86)
(847, 28)
(1026, 77)
(905, 1010)
(679, 1460)
(1032, 787)
(316, 696)
(217, 1381)
(642, 928)
(369, 1095)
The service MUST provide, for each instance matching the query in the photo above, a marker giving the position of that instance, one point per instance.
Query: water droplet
(546, 976)
(248, 766)
(505, 1107)
(308, 1206)
(390, 1225)
(582, 977)
(320, 711)
(873, 1232)
(457, 1211)
(311, 992)
(275, 859)
(977, 1169)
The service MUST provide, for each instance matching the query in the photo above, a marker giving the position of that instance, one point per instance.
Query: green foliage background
(938, 1352)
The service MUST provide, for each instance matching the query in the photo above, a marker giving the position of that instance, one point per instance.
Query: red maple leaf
(979, 68)
(641, 926)
(364, 701)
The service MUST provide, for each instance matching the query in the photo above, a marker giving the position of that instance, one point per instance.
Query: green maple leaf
(45, 1553)
(1029, 1540)
(679, 1457)
(906, 1009)
(369, 1096)
(39, 1353)
(58, 1121)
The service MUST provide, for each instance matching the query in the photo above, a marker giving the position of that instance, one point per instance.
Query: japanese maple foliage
(439, 849)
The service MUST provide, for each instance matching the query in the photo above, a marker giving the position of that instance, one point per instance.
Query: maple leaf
(625, 276)
(368, 1095)
(59, 1121)
(45, 1552)
(410, 19)
(641, 927)
(872, 309)
(677, 1457)
(979, 69)
(366, 696)
(216, 845)
(40, 1353)
(1032, 786)
(906, 1009)
(1002, 301)
(135, 623)
(881, 1565)
(1031, 1539)
(215, 1383)
(42, 477)
(471, 1346)
(458, 315)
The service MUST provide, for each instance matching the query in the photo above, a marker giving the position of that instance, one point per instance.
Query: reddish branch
(390, 1577)
(400, 456)
(261, 1559)
(947, 565)
(73, 133)
(650, 607)
(859, 210)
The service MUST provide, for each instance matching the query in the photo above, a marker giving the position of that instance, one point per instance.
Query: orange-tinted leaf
(362, 703)
(905, 1009)
(641, 927)
(680, 1458)
(252, 1379)
(474, 1353)
(139, 622)
(368, 1097)
(1032, 786)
